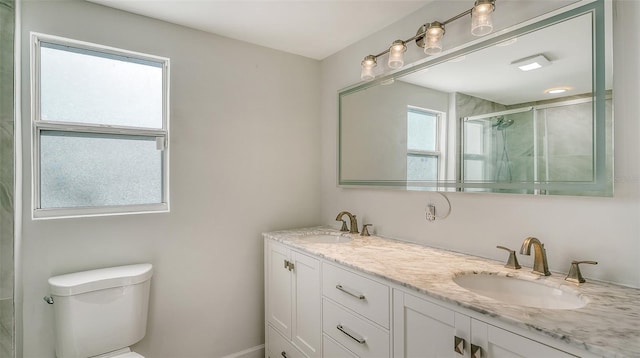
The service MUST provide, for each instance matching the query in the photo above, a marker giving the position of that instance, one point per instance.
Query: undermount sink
(517, 291)
(327, 239)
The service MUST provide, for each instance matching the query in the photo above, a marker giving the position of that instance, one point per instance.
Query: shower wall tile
(467, 106)
(6, 206)
(6, 177)
(569, 133)
(6, 255)
(569, 130)
(520, 146)
(6, 328)
(571, 168)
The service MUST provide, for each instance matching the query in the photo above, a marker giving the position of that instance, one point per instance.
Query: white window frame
(482, 158)
(440, 134)
(38, 125)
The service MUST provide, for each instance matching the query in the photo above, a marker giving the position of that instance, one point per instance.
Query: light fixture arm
(381, 53)
(460, 15)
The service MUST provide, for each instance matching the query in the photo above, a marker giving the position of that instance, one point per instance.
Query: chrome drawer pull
(356, 295)
(352, 335)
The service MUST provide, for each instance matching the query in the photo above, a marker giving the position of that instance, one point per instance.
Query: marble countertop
(608, 326)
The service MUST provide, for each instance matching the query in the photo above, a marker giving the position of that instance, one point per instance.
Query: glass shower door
(500, 147)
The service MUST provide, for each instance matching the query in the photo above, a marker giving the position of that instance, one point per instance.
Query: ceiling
(310, 28)
(319, 28)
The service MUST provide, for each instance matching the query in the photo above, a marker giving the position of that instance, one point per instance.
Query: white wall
(244, 160)
(382, 129)
(602, 229)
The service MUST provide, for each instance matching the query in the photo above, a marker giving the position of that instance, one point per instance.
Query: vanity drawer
(361, 337)
(332, 349)
(364, 296)
(279, 347)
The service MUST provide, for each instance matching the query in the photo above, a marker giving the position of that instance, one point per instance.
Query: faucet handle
(574, 272)
(344, 225)
(512, 261)
(365, 231)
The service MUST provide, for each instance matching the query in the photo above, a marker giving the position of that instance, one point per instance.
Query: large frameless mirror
(527, 111)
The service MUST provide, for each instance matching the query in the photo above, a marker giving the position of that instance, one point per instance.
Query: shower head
(502, 123)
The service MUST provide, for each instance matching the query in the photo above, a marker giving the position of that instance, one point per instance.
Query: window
(100, 129)
(423, 144)
(474, 148)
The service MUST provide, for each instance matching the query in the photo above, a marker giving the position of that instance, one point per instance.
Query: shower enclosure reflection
(486, 148)
(550, 142)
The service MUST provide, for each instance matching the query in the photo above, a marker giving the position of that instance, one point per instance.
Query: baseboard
(253, 352)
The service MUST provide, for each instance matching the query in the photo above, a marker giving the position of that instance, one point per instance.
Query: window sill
(69, 213)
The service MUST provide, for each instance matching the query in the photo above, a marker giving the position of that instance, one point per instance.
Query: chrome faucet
(540, 265)
(352, 221)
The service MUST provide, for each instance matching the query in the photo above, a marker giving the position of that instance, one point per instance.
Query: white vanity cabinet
(316, 307)
(426, 329)
(293, 302)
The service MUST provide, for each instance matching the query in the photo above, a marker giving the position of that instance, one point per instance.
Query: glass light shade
(432, 45)
(368, 64)
(433, 38)
(396, 54)
(482, 18)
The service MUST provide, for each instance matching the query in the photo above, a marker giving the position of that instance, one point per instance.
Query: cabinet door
(278, 288)
(424, 329)
(279, 347)
(307, 314)
(499, 343)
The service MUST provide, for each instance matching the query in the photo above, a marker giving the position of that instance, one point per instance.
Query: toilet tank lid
(100, 279)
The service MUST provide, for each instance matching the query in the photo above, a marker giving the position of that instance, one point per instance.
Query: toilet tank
(100, 311)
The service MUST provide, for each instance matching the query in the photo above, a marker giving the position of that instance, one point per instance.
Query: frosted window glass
(473, 169)
(421, 130)
(422, 167)
(85, 170)
(83, 86)
(473, 138)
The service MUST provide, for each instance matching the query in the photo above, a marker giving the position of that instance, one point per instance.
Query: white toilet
(100, 313)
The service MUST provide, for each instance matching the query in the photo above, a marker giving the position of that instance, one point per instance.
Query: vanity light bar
(429, 37)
